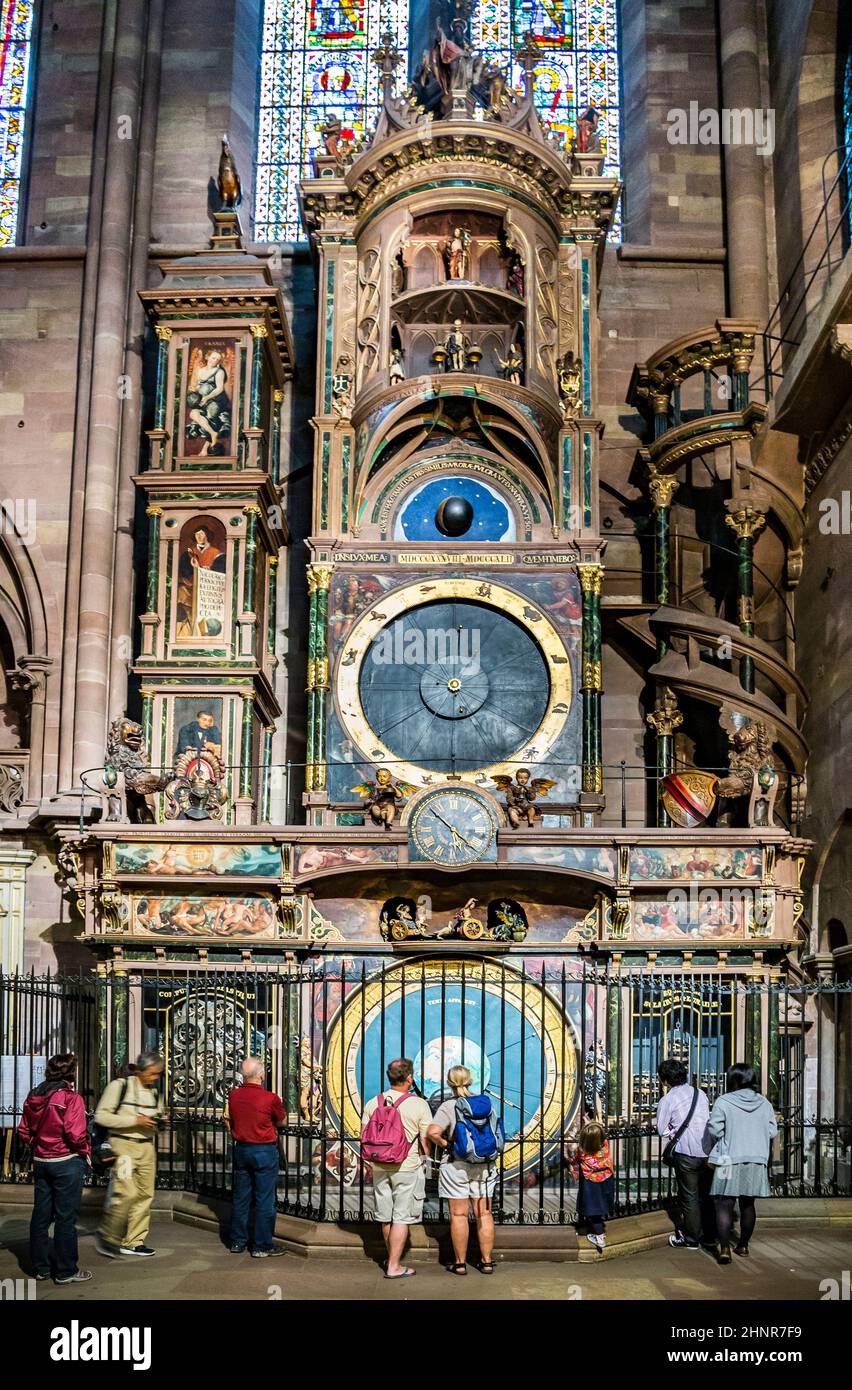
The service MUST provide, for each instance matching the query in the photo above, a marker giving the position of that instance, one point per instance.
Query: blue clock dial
(453, 827)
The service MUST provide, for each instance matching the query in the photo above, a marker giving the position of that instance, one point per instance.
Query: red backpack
(384, 1140)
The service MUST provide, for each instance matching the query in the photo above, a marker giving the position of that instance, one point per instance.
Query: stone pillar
(30, 678)
(97, 540)
(13, 892)
(244, 804)
(664, 720)
(745, 520)
(591, 581)
(745, 168)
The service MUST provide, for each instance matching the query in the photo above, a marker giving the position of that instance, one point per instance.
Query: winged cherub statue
(384, 798)
(521, 796)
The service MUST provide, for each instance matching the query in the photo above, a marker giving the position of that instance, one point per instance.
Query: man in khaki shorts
(399, 1188)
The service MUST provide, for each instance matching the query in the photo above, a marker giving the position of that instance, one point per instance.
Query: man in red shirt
(253, 1115)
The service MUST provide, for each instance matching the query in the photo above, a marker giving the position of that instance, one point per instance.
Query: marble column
(591, 581)
(665, 718)
(13, 900)
(745, 167)
(319, 582)
(662, 488)
(745, 520)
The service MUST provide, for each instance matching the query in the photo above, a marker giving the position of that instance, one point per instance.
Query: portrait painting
(197, 726)
(208, 413)
(202, 580)
(196, 915)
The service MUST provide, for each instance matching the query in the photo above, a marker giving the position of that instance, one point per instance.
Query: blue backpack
(478, 1136)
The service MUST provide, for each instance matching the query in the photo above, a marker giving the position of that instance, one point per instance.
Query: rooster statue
(228, 182)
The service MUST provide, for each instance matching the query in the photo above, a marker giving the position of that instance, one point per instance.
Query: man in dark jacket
(55, 1127)
(253, 1116)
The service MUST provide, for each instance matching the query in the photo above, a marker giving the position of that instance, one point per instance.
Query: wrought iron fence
(552, 1040)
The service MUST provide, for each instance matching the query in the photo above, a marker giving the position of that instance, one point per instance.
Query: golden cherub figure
(521, 796)
(384, 798)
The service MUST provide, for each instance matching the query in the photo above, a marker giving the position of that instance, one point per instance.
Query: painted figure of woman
(208, 403)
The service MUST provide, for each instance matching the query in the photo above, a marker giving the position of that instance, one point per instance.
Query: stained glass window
(316, 63)
(16, 31)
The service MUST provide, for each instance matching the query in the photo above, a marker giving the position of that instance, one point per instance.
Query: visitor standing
(131, 1109)
(742, 1125)
(682, 1116)
(467, 1128)
(253, 1115)
(590, 1163)
(54, 1125)
(394, 1129)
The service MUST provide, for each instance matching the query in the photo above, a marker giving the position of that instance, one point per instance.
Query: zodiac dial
(453, 827)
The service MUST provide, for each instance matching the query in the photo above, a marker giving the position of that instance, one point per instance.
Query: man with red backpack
(394, 1128)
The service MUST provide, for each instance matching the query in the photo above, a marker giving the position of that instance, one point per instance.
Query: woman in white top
(462, 1183)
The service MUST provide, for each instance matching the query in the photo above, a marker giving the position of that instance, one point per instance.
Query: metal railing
(552, 1041)
(788, 320)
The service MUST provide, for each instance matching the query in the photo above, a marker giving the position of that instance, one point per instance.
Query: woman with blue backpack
(470, 1132)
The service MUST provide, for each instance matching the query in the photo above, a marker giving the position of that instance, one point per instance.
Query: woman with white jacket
(742, 1126)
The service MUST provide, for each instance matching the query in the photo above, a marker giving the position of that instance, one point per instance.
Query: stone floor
(788, 1263)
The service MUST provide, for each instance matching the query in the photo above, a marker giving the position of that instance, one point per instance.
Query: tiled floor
(788, 1263)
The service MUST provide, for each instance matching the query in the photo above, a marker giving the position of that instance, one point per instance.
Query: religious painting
(202, 581)
(716, 918)
(201, 859)
(312, 859)
(195, 915)
(209, 407)
(701, 862)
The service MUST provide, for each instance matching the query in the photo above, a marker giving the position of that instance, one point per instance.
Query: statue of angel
(521, 795)
(384, 798)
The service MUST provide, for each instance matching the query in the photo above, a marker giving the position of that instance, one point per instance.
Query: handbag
(668, 1153)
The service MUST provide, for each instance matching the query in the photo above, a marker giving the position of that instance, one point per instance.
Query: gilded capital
(153, 511)
(662, 487)
(666, 717)
(258, 330)
(746, 522)
(591, 578)
(163, 332)
(319, 578)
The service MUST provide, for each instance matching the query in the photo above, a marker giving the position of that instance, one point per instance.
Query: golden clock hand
(455, 833)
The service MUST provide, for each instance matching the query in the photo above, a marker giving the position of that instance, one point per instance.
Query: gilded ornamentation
(591, 578)
(521, 795)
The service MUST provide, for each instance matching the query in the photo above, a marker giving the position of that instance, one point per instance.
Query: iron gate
(552, 1041)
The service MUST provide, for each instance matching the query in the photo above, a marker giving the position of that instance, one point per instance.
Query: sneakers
(237, 1249)
(599, 1242)
(267, 1254)
(680, 1242)
(136, 1250)
(103, 1247)
(81, 1277)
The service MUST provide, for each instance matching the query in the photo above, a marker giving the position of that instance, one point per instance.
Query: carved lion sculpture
(128, 782)
(751, 766)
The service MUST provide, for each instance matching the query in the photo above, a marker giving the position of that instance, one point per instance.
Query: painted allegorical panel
(589, 859)
(716, 920)
(209, 410)
(202, 581)
(196, 915)
(261, 861)
(311, 859)
(701, 862)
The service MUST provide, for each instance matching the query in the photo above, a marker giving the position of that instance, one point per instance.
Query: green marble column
(148, 722)
(773, 1075)
(753, 1030)
(272, 605)
(745, 521)
(258, 333)
(251, 513)
(591, 581)
(662, 488)
(164, 335)
(246, 769)
(120, 1018)
(277, 397)
(665, 718)
(319, 581)
(102, 1016)
(613, 1045)
(153, 584)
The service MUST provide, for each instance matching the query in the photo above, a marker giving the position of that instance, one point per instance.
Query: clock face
(453, 827)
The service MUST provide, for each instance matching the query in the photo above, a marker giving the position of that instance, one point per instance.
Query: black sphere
(454, 516)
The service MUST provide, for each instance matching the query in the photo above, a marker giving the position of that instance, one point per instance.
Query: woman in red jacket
(55, 1127)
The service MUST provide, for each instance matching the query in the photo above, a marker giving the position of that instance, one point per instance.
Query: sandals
(406, 1274)
(485, 1266)
(724, 1256)
(458, 1268)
